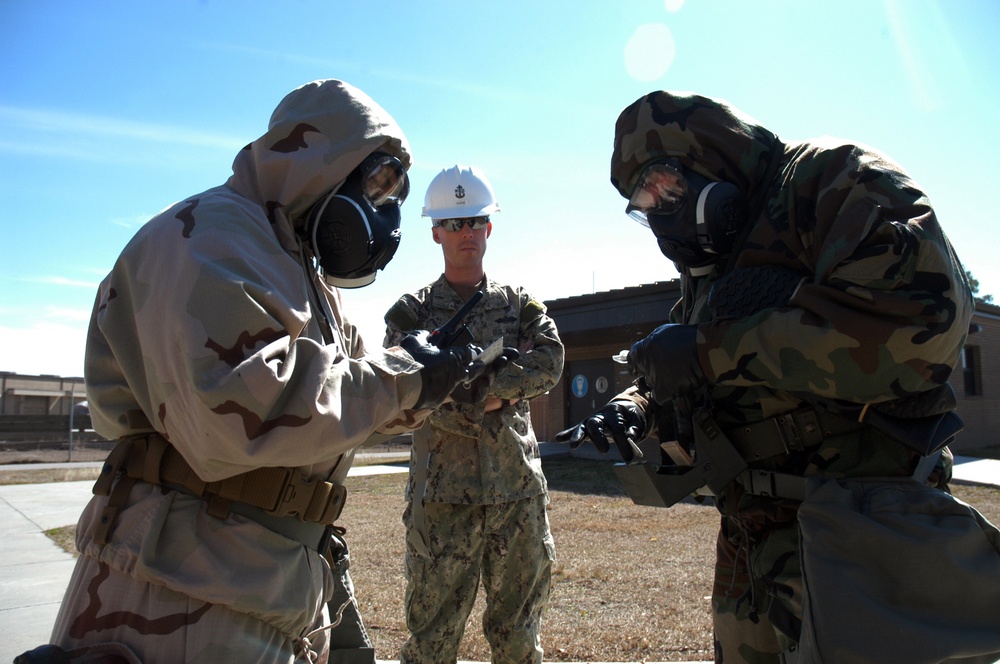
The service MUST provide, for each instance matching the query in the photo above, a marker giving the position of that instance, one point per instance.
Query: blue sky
(111, 110)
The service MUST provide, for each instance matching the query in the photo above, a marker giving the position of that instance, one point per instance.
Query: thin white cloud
(59, 150)
(133, 221)
(63, 281)
(28, 316)
(77, 125)
(484, 91)
(67, 314)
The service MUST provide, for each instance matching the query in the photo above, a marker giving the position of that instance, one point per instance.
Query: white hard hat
(459, 191)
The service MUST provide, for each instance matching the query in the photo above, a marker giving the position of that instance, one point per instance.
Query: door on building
(591, 385)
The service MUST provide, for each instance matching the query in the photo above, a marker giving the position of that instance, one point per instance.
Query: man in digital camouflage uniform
(476, 493)
(222, 359)
(822, 312)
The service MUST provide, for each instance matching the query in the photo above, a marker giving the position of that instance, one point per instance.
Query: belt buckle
(294, 497)
(759, 482)
(788, 432)
(799, 430)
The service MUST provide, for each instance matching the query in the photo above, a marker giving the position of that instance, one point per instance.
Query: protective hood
(705, 135)
(317, 135)
(881, 304)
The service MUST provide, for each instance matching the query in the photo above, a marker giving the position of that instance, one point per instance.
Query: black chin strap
(318, 300)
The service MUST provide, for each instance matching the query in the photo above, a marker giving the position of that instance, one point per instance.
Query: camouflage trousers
(756, 596)
(162, 625)
(510, 547)
(175, 584)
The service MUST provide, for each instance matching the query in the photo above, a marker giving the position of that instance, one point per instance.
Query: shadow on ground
(582, 476)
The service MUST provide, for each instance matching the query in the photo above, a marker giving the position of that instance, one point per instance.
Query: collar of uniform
(445, 297)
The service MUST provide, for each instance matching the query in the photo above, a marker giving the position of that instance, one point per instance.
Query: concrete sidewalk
(34, 571)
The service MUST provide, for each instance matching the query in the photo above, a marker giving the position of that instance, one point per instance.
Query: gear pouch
(895, 571)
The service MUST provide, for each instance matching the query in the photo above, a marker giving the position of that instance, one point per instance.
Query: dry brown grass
(631, 583)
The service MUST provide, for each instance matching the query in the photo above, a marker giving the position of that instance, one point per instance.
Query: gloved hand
(621, 422)
(444, 368)
(481, 377)
(667, 360)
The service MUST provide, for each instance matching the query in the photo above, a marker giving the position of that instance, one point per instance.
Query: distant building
(21, 394)
(977, 380)
(43, 409)
(596, 326)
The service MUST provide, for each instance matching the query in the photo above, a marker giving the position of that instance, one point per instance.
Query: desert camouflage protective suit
(476, 493)
(214, 325)
(880, 314)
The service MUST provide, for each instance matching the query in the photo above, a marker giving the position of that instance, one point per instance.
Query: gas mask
(694, 219)
(354, 230)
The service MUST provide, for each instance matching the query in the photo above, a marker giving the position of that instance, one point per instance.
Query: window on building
(972, 371)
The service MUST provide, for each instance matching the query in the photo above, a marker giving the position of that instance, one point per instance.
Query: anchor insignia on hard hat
(459, 191)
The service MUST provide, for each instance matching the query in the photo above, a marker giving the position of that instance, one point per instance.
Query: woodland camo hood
(316, 136)
(707, 135)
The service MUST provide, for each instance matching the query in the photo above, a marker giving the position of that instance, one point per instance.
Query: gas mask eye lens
(385, 181)
(661, 189)
(475, 223)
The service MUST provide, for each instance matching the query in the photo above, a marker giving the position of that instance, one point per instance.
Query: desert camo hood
(316, 136)
(215, 326)
(706, 135)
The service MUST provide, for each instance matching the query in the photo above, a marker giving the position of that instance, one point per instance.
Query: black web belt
(791, 432)
(280, 499)
(794, 432)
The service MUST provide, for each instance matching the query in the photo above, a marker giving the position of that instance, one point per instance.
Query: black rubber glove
(481, 377)
(668, 361)
(444, 368)
(621, 422)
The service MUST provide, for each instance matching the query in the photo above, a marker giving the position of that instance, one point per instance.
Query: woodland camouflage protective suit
(214, 330)
(876, 318)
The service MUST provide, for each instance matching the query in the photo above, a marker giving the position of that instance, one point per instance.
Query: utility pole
(72, 407)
